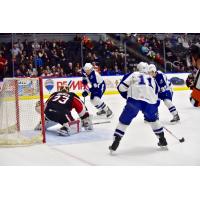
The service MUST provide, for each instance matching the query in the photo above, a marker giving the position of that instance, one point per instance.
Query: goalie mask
(64, 88)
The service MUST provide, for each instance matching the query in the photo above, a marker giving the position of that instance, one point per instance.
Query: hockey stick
(181, 140)
(105, 122)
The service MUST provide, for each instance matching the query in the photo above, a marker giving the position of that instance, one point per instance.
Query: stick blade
(182, 140)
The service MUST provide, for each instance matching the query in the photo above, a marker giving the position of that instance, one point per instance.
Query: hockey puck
(182, 140)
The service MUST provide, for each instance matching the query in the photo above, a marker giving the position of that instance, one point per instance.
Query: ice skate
(175, 119)
(101, 113)
(109, 113)
(63, 131)
(162, 141)
(115, 144)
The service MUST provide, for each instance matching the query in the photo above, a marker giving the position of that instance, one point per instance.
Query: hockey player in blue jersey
(165, 91)
(140, 92)
(96, 90)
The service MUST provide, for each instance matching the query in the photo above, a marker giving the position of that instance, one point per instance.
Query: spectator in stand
(69, 69)
(15, 50)
(3, 63)
(47, 73)
(117, 71)
(55, 71)
(96, 67)
(77, 70)
(62, 73)
(38, 61)
(23, 69)
(106, 71)
(20, 45)
(77, 38)
(35, 46)
(18, 73)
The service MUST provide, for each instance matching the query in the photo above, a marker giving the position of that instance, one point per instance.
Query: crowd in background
(174, 46)
(59, 58)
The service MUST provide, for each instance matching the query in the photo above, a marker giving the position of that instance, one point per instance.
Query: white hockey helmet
(152, 68)
(88, 66)
(142, 67)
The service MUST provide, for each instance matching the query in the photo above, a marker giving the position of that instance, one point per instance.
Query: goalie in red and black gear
(58, 109)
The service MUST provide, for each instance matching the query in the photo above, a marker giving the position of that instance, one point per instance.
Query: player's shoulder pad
(159, 72)
(93, 72)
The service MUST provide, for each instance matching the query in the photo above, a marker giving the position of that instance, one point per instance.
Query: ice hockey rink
(138, 147)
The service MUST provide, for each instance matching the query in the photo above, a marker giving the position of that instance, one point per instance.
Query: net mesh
(18, 117)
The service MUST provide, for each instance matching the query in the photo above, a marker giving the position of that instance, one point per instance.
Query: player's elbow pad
(123, 94)
(122, 87)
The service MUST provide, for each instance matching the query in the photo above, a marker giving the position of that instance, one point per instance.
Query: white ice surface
(138, 147)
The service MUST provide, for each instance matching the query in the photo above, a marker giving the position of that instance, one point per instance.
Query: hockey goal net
(18, 117)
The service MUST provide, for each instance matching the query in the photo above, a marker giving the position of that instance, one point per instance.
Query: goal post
(18, 117)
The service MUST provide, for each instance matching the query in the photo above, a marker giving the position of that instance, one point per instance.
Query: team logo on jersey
(49, 84)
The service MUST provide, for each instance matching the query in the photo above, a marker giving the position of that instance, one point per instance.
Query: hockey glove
(85, 93)
(190, 81)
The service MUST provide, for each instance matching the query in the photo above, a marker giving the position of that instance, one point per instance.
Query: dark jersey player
(193, 80)
(58, 109)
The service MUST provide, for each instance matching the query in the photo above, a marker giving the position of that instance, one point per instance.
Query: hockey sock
(156, 127)
(99, 104)
(171, 107)
(120, 129)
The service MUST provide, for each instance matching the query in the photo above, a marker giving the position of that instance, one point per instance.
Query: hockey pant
(168, 94)
(58, 116)
(131, 110)
(95, 97)
(195, 97)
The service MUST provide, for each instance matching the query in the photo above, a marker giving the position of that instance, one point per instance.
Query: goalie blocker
(58, 109)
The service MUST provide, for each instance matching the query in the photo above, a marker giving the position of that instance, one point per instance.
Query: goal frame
(17, 97)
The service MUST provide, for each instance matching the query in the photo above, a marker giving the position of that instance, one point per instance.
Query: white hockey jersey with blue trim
(139, 86)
